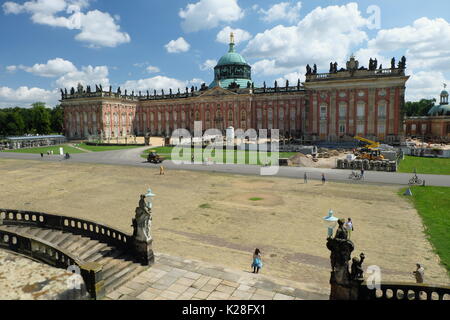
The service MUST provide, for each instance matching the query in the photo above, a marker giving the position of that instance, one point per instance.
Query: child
(257, 263)
(161, 171)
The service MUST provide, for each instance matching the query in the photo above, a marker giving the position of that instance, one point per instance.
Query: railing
(93, 230)
(47, 253)
(404, 291)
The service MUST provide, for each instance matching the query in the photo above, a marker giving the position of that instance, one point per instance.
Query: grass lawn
(166, 153)
(433, 205)
(104, 148)
(44, 150)
(425, 165)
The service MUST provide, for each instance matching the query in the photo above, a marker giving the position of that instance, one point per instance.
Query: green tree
(41, 118)
(57, 119)
(418, 108)
(14, 124)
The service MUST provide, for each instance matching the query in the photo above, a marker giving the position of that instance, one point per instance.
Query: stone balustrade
(404, 291)
(83, 227)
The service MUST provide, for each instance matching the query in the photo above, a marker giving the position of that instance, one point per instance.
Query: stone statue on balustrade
(142, 222)
(344, 283)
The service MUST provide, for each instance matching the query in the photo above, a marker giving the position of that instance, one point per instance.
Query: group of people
(305, 178)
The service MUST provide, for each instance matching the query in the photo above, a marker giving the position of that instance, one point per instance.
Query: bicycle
(415, 180)
(355, 176)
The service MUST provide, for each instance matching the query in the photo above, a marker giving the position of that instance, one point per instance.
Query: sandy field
(210, 217)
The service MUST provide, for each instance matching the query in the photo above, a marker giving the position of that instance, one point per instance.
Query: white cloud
(208, 65)
(208, 14)
(176, 46)
(293, 78)
(53, 68)
(160, 82)
(324, 35)
(97, 28)
(284, 11)
(86, 76)
(425, 85)
(427, 43)
(239, 35)
(11, 69)
(152, 69)
(24, 96)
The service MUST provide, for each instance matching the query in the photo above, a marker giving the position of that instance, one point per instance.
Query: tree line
(39, 119)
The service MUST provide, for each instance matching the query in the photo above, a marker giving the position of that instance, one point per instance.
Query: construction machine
(153, 157)
(370, 151)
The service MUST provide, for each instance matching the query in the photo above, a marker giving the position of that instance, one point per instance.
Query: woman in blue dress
(257, 262)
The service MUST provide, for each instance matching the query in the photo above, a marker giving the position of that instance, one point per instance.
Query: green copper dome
(231, 57)
(232, 69)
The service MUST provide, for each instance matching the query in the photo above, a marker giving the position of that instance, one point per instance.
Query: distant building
(435, 126)
(333, 106)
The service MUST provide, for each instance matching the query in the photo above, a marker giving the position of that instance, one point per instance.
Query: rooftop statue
(308, 69)
(393, 63)
(119, 92)
(315, 69)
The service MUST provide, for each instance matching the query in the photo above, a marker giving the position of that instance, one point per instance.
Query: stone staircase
(105, 256)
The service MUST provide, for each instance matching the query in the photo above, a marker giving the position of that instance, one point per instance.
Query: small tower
(444, 96)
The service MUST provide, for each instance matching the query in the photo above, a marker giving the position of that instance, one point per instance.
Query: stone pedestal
(342, 288)
(143, 251)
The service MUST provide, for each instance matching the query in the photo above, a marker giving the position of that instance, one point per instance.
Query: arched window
(243, 115)
(230, 115)
(197, 116)
(207, 117)
(218, 115)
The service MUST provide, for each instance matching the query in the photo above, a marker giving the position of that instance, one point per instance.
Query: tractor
(153, 157)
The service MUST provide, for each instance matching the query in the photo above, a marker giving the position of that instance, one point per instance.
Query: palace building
(435, 126)
(333, 106)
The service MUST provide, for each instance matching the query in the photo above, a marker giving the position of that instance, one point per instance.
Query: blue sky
(149, 44)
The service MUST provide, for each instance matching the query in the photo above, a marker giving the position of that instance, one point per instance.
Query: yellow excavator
(370, 151)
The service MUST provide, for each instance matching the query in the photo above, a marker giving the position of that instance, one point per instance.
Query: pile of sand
(302, 160)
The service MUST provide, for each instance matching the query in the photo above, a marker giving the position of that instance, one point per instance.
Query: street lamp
(330, 221)
(149, 197)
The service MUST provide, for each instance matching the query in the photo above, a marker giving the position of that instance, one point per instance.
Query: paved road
(131, 157)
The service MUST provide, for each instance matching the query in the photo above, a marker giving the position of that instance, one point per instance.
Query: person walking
(362, 173)
(349, 227)
(257, 262)
(419, 273)
(161, 171)
(42, 155)
(305, 177)
(323, 178)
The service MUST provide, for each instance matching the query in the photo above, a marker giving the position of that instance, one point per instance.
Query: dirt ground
(210, 217)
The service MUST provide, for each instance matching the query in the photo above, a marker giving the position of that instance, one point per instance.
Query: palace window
(323, 128)
(343, 111)
(207, 117)
(230, 115)
(382, 110)
(281, 114)
(270, 114)
(197, 116)
(323, 112)
(361, 110)
(360, 129)
(243, 116)
(381, 129)
(342, 128)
